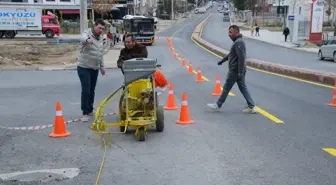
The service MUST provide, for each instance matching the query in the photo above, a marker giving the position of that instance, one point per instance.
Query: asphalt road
(228, 147)
(216, 33)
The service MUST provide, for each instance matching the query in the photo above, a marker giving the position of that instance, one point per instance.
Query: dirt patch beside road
(28, 54)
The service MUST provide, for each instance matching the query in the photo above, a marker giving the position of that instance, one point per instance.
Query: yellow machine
(138, 105)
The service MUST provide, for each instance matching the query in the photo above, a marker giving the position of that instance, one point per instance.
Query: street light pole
(172, 9)
(83, 16)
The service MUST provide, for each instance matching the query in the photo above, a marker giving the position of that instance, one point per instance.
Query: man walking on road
(89, 62)
(237, 71)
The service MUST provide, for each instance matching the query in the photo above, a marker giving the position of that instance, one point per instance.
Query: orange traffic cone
(171, 99)
(190, 69)
(184, 114)
(199, 77)
(333, 101)
(183, 62)
(175, 56)
(171, 49)
(218, 88)
(59, 125)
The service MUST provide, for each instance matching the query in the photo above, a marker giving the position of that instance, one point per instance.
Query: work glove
(220, 63)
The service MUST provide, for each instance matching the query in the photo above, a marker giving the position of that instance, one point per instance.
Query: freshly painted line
(331, 151)
(268, 115)
(261, 111)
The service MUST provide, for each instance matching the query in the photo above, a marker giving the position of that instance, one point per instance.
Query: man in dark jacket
(237, 71)
(286, 32)
(131, 50)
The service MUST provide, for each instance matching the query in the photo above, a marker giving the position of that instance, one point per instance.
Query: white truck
(27, 20)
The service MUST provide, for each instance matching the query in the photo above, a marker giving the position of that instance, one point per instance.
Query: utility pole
(141, 7)
(172, 9)
(83, 16)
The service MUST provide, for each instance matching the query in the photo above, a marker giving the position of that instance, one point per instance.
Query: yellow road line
(261, 111)
(331, 151)
(268, 115)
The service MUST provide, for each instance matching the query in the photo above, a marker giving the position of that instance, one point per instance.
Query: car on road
(226, 16)
(202, 10)
(328, 50)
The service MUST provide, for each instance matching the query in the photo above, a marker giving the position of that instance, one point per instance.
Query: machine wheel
(2, 34)
(160, 118)
(141, 134)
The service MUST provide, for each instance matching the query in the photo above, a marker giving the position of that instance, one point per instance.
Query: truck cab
(142, 28)
(27, 21)
(50, 26)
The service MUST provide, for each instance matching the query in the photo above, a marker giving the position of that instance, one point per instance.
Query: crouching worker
(131, 50)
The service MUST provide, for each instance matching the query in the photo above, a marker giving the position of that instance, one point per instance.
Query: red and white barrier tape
(40, 127)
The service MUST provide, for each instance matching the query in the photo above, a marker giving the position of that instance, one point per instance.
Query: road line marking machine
(138, 103)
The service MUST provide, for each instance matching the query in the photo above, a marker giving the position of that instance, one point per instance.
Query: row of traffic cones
(184, 113)
(199, 76)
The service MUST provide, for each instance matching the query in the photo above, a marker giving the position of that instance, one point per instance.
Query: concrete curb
(305, 74)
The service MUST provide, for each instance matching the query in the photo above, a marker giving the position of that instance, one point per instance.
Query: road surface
(216, 33)
(228, 147)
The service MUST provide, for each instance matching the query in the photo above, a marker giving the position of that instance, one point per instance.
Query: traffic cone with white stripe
(190, 68)
(184, 114)
(175, 55)
(199, 77)
(171, 48)
(218, 87)
(59, 125)
(183, 62)
(333, 101)
(171, 99)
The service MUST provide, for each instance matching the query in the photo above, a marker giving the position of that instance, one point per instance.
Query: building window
(65, 0)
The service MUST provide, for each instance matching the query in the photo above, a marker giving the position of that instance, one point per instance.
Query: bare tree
(331, 10)
(102, 6)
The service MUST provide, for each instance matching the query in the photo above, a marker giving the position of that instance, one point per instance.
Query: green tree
(240, 4)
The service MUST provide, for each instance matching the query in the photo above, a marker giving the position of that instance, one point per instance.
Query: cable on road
(102, 162)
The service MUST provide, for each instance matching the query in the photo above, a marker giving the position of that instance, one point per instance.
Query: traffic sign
(291, 17)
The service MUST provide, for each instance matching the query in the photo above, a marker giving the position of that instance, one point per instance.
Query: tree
(244, 4)
(331, 5)
(102, 6)
(239, 4)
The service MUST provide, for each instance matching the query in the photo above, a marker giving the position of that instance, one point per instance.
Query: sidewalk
(112, 55)
(277, 38)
